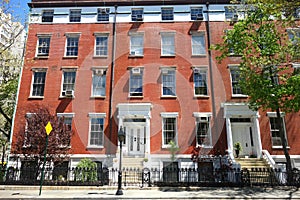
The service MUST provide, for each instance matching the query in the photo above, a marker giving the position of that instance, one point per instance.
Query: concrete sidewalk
(50, 192)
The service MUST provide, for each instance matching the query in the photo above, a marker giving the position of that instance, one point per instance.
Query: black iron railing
(151, 177)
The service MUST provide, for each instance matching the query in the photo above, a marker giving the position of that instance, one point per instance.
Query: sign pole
(48, 131)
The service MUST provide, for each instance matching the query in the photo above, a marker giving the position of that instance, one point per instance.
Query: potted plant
(237, 148)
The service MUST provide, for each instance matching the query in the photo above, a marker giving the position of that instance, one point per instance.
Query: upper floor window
(200, 81)
(136, 82)
(196, 13)
(38, 83)
(101, 44)
(137, 14)
(198, 44)
(235, 78)
(294, 36)
(297, 13)
(167, 13)
(68, 83)
(168, 82)
(203, 132)
(68, 118)
(103, 15)
(231, 13)
(137, 44)
(169, 129)
(274, 128)
(72, 45)
(43, 45)
(96, 133)
(168, 44)
(99, 82)
(47, 15)
(75, 15)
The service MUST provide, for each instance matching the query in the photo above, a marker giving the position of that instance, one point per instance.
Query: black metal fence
(152, 177)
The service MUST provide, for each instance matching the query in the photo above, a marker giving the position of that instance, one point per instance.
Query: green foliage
(238, 146)
(173, 149)
(86, 170)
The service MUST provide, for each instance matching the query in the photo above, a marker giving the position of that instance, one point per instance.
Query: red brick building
(144, 66)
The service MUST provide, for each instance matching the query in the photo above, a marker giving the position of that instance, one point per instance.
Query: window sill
(41, 57)
(239, 96)
(104, 56)
(136, 97)
(97, 97)
(168, 21)
(205, 146)
(279, 147)
(70, 57)
(200, 55)
(168, 97)
(94, 147)
(168, 146)
(36, 97)
(201, 96)
(135, 56)
(167, 56)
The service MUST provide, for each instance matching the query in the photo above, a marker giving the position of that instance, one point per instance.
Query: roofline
(81, 3)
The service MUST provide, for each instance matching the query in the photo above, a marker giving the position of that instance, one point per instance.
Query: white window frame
(168, 115)
(70, 36)
(168, 71)
(96, 116)
(166, 48)
(137, 14)
(49, 15)
(167, 16)
(198, 10)
(103, 14)
(68, 116)
(44, 45)
(66, 70)
(198, 45)
(101, 72)
(75, 15)
(230, 12)
(198, 119)
(136, 49)
(282, 116)
(204, 72)
(139, 77)
(103, 47)
(234, 68)
(34, 71)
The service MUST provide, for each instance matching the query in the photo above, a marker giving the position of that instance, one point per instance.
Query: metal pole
(119, 191)
(43, 169)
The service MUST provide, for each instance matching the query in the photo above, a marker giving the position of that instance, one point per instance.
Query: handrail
(269, 159)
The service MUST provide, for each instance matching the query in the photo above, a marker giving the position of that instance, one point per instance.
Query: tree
(267, 45)
(31, 140)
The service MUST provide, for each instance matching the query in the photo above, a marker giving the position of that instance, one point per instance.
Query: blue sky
(19, 9)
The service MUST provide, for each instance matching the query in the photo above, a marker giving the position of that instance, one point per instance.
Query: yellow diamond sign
(48, 128)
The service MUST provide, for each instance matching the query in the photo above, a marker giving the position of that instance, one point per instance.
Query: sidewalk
(50, 192)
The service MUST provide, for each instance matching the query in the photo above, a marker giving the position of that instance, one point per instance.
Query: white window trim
(42, 69)
(234, 67)
(99, 34)
(202, 68)
(199, 115)
(104, 68)
(130, 74)
(168, 69)
(96, 115)
(169, 115)
(167, 8)
(131, 33)
(67, 69)
(42, 35)
(274, 115)
(198, 33)
(70, 15)
(169, 33)
(68, 35)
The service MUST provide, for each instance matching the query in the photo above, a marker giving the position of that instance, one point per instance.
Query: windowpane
(196, 13)
(69, 80)
(103, 15)
(275, 134)
(99, 83)
(200, 82)
(169, 130)
(96, 131)
(47, 16)
(72, 46)
(43, 46)
(137, 14)
(168, 83)
(198, 45)
(167, 14)
(137, 45)
(101, 46)
(235, 77)
(230, 12)
(168, 45)
(75, 15)
(203, 131)
(38, 84)
(136, 83)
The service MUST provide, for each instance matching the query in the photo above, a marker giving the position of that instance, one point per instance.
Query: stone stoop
(132, 162)
(250, 163)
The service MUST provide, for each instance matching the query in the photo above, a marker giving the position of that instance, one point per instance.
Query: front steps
(132, 162)
(250, 163)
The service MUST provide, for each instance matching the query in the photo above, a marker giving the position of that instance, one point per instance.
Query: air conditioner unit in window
(68, 93)
(204, 119)
(104, 10)
(199, 16)
(139, 17)
(136, 71)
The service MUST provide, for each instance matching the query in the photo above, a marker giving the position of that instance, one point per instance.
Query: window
(169, 131)
(38, 84)
(200, 81)
(137, 44)
(99, 82)
(43, 46)
(297, 13)
(68, 118)
(203, 133)
(274, 127)
(68, 86)
(137, 14)
(235, 77)
(136, 82)
(96, 135)
(196, 13)
(72, 45)
(103, 15)
(168, 44)
(47, 15)
(229, 42)
(101, 45)
(167, 14)
(294, 36)
(230, 13)
(198, 44)
(168, 82)
(75, 15)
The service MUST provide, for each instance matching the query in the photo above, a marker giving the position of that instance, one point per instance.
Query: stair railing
(269, 159)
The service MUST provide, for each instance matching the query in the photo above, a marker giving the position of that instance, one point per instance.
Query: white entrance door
(135, 135)
(242, 132)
